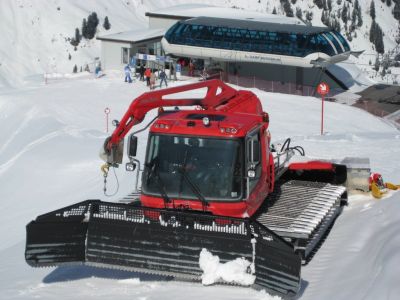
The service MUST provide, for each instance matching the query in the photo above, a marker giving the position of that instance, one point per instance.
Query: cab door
(255, 173)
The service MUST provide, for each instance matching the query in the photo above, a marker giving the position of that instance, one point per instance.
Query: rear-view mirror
(132, 145)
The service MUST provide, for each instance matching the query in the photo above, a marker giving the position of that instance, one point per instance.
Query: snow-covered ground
(50, 137)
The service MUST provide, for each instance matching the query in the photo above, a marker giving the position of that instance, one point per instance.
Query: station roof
(256, 25)
(135, 36)
(188, 11)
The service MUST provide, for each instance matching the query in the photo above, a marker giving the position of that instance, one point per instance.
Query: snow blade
(160, 242)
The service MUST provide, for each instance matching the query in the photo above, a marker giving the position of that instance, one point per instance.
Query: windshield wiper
(194, 188)
(153, 170)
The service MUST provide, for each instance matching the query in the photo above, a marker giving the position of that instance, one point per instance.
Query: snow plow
(211, 180)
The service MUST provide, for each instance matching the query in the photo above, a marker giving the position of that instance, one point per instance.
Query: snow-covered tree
(344, 13)
(319, 3)
(76, 39)
(106, 24)
(288, 8)
(372, 10)
(84, 29)
(396, 10)
(299, 13)
(376, 37)
(359, 13)
(92, 23)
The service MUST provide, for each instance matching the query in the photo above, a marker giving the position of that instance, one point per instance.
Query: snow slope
(49, 141)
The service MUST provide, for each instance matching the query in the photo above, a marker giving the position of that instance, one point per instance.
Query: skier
(97, 71)
(163, 78)
(127, 70)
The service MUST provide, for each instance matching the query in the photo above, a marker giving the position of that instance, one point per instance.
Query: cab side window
(253, 158)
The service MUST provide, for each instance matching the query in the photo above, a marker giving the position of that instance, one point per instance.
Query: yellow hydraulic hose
(392, 186)
(376, 191)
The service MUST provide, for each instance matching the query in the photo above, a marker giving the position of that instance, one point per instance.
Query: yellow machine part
(392, 186)
(378, 192)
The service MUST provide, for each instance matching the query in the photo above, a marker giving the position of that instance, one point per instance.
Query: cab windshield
(212, 166)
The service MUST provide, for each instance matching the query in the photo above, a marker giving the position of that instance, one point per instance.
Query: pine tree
(288, 9)
(77, 35)
(389, 3)
(339, 2)
(372, 10)
(379, 45)
(309, 16)
(359, 14)
(75, 69)
(354, 16)
(372, 32)
(299, 13)
(329, 3)
(325, 5)
(377, 64)
(293, 1)
(274, 11)
(84, 29)
(336, 25)
(92, 23)
(319, 3)
(376, 37)
(106, 24)
(396, 10)
(69, 56)
(344, 14)
(324, 18)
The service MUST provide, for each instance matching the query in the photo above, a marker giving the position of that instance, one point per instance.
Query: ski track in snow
(356, 261)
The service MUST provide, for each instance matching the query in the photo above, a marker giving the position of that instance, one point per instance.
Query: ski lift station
(237, 42)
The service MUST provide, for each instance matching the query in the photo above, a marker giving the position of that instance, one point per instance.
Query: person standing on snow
(127, 70)
(147, 74)
(141, 71)
(191, 69)
(163, 78)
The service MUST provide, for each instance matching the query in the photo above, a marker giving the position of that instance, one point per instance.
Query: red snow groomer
(211, 179)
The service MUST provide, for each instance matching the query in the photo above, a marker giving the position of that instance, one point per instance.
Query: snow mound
(231, 271)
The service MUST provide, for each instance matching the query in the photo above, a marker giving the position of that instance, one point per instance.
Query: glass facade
(262, 41)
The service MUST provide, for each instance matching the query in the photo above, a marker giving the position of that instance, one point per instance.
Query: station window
(241, 39)
(253, 153)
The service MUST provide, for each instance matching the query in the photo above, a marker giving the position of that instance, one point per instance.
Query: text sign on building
(149, 57)
(323, 89)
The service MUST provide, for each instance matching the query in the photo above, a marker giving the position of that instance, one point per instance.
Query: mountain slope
(34, 42)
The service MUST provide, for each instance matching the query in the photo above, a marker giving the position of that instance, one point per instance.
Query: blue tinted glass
(324, 46)
(279, 43)
(334, 41)
(172, 31)
(342, 40)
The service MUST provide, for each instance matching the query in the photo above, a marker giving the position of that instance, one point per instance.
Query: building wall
(284, 74)
(160, 22)
(111, 54)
